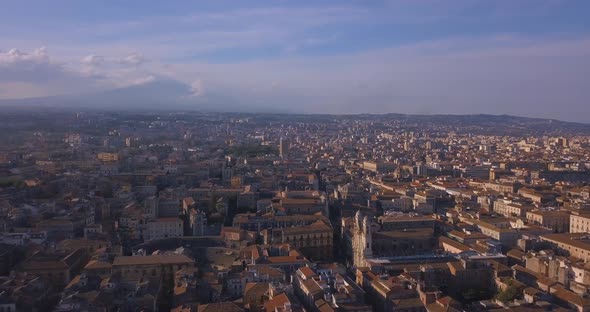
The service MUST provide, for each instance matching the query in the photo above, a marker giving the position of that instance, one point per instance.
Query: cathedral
(361, 240)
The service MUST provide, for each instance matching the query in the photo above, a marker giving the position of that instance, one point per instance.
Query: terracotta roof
(188, 201)
(453, 243)
(276, 301)
(220, 307)
(571, 297)
(312, 286)
(284, 259)
(256, 287)
(408, 303)
(307, 272)
(323, 306)
(569, 239)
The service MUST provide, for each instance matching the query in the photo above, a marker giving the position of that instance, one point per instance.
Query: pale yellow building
(108, 157)
(580, 223)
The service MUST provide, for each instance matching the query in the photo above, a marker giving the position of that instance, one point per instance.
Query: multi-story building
(558, 221)
(397, 203)
(136, 267)
(408, 242)
(108, 157)
(406, 221)
(506, 236)
(576, 244)
(314, 241)
(254, 222)
(380, 167)
(511, 209)
(324, 290)
(168, 208)
(498, 187)
(580, 223)
(164, 228)
(55, 268)
(480, 172)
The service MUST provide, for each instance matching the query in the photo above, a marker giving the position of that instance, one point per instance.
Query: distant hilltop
(478, 124)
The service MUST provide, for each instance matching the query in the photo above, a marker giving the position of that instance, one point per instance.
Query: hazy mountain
(147, 95)
(167, 94)
(164, 94)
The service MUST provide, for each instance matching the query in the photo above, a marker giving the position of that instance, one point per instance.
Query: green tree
(508, 294)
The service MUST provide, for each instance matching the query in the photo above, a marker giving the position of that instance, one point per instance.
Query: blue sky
(518, 57)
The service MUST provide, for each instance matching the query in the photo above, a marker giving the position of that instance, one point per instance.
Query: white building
(362, 239)
(92, 229)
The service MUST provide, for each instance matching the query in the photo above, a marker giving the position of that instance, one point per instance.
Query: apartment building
(164, 228)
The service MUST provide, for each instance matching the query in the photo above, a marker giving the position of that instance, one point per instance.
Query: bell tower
(362, 240)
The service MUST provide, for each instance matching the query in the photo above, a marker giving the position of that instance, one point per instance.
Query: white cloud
(143, 80)
(543, 77)
(456, 75)
(93, 60)
(19, 66)
(134, 59)
(15, 56)
(36, 73)
(197, 88)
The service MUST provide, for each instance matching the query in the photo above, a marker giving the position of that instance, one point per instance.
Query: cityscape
(180, 211)
(295, 156)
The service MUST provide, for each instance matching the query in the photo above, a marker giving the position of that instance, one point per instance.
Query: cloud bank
(341, 58)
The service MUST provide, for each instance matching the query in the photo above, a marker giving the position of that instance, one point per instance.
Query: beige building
(535, 196)
(108, 157)
(557, 221)
(510, 209)
(164, 228)
(314, 241)
(506, 236)
(580, 223)
(577, 244)
(498, 187)
(381, 167)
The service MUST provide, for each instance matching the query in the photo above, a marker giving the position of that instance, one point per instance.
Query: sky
(519, 57)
